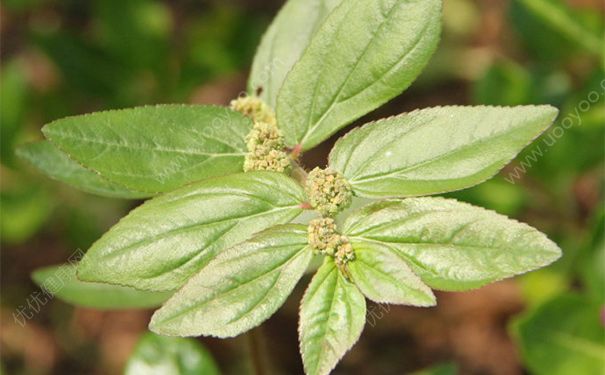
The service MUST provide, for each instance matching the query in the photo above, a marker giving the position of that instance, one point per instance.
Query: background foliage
(61, 58)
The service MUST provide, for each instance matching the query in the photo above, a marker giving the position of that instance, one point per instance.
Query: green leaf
(436, 150)
(57, 165)
(364, 54)
(563, 336)
(559, 17)
(240, 289)
(157, 148)
(159, 355)
(26, 207)
(165, 241)
(452, 245)
(384, 276)
(15, 92)
(332, 316)
(284, 42)
(63, 283)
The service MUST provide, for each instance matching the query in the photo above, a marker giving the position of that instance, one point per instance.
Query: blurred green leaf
(160, 355)
(552, 29)
(14, 95)
(62, 282)
(83, 65)
(592, 260)
(24, 211)
(57, 165)
(563, 336)
(504, 83)
(542, 285)
(135, 32)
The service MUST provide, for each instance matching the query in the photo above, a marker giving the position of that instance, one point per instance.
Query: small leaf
(364, 54)
(332, 316)
(63, 283)
(384, 276)
(165, 241)
(452, 245)
(563, 336)
(240, 289)
(159, 355)
(436, 150)
(283, 44)
(58, 166)
(156, 148)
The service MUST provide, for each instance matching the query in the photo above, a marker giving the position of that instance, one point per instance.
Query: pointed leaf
(165, 241)
(364, 54)
(58, 166)
(436, 150)
(453, 245)
(384, 276)
(156, 148)
(159, 355)
(332, 316)
(240, 289)
(63, 283)
(283, 44)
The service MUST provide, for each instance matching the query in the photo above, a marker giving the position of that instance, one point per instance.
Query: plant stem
(255, 344)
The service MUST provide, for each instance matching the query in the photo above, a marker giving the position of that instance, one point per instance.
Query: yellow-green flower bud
(344, 253)
(272, 160)
(264, 135)
(324, 239)
(322, 236)
(254, 108)
(328, 191)
(265, 149)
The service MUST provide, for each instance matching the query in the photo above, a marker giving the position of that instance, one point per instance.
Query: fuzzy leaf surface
(58, 166)
(452, 245)
(436, 150)
(155, 148)
(284, 42)
(62, 282)
(364, 54)
(240, 289)
(384, 276)
(332, 316)
(166, 240)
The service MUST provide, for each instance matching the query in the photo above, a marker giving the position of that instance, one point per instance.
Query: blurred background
(61, 58)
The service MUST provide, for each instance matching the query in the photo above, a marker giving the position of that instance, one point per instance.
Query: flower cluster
(324, 239)
(254, 108)
(328, 191)
(265, 142)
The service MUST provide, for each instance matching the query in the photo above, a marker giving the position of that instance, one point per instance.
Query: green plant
(222, 232)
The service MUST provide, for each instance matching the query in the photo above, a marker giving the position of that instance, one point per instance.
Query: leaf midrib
(139, 147)
(228, 291)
